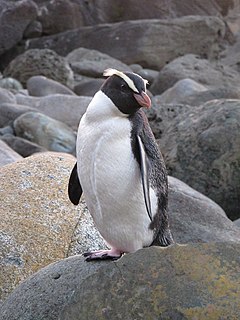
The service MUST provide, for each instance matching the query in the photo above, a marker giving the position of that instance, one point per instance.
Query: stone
(198, 69)
(199, 281)
(33, 30)
(148, 74)
(161, 115)
(180, 91)
(88, 87)
(65, 108)
(37, 62)
(195, 218)
(22, 146)
(45, 131)
(60, 15)
(237, 222)
(204, 35)
(37, 219)
(92, 63)
(10, 111)
(202, 148)
(6, 96)
(40, 86)
(7, 155)
(10, 84)
(15, 17)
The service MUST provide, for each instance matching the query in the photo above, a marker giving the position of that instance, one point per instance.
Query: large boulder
(62, 107)
(142, 40)
(198, 281)
(202, 148)
(7, 154)
(92, 63)
(40, 86)
(10, 111)
(45, 131)
(37, 62)
(36, 218)
(194, 67)
(14, 19)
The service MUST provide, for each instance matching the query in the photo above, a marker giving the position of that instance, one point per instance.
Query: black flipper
(144, 175)
(74, 187)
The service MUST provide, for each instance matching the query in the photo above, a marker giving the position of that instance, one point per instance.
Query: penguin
(120, 169)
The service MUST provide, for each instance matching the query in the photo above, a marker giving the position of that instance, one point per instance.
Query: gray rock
(10, 84)
(92, 63)
(7, 155)
(179, 282)
(237, 222)
(148, 74)
(151, 51)
(15, 17)
(161, 116)
(197, 69)
(45, 131)
(6, 130)
(22, 146)
(6, 96)
(196, 218)
(33, 30)
(88, 87)
(181, 90)
(65, 108)
(10, 111)
(39, 86)
(40, 62)
(201, 147)
(60, 15)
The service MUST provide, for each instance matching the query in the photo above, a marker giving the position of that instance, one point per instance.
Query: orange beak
(143, 99)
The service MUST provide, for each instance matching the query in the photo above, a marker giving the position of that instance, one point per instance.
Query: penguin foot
(112, 254)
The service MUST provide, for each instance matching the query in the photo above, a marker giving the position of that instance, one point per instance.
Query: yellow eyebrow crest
(130, 83)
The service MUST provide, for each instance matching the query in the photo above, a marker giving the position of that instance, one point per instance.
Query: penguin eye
(123, 86)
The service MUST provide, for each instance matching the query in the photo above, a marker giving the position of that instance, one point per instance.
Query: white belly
(111, 181)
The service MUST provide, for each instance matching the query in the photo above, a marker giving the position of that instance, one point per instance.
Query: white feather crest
(110, 72)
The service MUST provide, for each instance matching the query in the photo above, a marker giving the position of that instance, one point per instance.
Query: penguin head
(127, 90)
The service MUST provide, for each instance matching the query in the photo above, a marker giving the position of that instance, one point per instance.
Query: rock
(10, 84)
(201, 148)
(88, 87)
(6, 96)
(39, 86)
(15, 17)
(22, 146)
(148, 74)
(37, 219)
(161, 116)
(197, 69)
(60, 15)
(179, 282)
(230, 56)
(237, 222)
(196, 218)
(181, 90)
(33, 30)
(6, 130)
(40, 62)
(204, 35)
(10, 111)
(45, 131)
(62, 107)
(92, 63)
(7, 155)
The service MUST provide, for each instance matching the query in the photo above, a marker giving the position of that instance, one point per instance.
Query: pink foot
(112, 254)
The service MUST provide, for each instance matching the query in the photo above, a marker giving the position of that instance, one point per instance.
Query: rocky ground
(52, 56)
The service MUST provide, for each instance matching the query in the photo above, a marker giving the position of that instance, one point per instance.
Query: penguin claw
(102, 255)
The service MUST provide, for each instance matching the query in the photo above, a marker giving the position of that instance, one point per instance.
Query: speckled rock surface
(200, 281)
(36, 218)
(40, 62)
